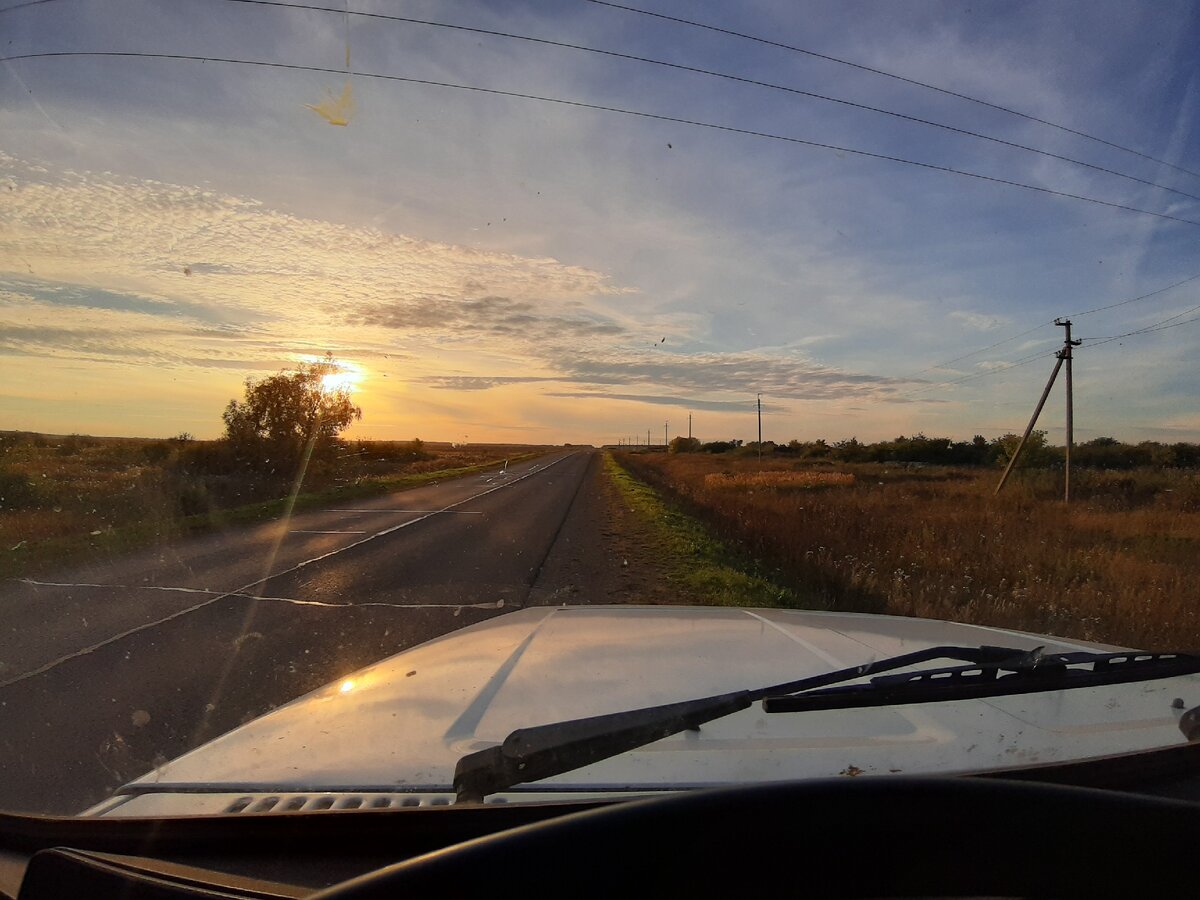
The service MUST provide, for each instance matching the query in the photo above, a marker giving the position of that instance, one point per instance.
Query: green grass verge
(56, 552)
(716, 574)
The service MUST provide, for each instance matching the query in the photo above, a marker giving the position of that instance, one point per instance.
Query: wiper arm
(531, 754)
(1025, 674)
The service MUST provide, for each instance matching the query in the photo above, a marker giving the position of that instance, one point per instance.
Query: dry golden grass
(777, 480)
(1122, 565)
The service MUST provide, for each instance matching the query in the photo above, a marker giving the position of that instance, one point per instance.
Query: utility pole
(647, 438)
(689, 427)
(665, 424)
(760, 426)
(1064, 355)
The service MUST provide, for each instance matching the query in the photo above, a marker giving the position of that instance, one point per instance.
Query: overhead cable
(893, 75)
(578, 104)
(711, 73)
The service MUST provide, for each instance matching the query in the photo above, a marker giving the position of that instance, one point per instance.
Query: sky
(490, 267)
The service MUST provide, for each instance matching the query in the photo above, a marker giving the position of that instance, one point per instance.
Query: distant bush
(17, 491)
(75, 443)
(156, 452)
(193, 499)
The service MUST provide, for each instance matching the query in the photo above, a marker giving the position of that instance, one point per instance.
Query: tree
(685, 445)
(1036, 454)
(283, 414)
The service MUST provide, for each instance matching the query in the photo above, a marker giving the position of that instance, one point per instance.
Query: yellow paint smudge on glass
(335, 110)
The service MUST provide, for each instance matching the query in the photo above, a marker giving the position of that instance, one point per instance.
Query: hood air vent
(320, 802)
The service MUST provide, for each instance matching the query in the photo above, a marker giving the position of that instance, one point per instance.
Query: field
(68, 497)
(1121, 565)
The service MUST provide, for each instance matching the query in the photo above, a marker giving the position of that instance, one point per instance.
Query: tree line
(1100, 452)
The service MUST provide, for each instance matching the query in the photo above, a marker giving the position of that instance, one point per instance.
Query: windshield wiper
(531, 754)
(1032, 672)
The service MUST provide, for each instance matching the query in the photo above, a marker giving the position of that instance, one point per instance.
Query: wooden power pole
(760, 427)
(1064, 356)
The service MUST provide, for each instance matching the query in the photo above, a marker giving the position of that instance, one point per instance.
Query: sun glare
(340, 381)
(348, 378)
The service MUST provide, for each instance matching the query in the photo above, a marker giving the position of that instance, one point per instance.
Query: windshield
(641, 348)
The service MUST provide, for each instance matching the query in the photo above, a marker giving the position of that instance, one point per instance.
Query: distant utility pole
(760, 426)
(1064, 355)
(665, 424)
(647, 438)
(689, 426)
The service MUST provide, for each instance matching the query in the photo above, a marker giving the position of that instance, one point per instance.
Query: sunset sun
(346, 378)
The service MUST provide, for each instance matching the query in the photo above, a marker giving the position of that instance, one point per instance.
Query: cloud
(242, 254)
(484, 317)
(186, 257)
(666, 400)
(978, 321)
(479, 382)
(741, 372)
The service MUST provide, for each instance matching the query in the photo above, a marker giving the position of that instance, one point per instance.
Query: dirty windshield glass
(329, 329)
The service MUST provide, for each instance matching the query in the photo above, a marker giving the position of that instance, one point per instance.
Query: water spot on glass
(335, 110)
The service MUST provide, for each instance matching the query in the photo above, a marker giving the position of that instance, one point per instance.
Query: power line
(578, 104)
(1007, 340)
(874, 71)
(1023, 361)
(22, 5)
(716, 74)
(1088, 312)
(1161, 325)
(1076, 315)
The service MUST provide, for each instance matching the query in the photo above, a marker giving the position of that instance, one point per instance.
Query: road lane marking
(454, 512)
(492, 604)
(92, 648)
(302, 531)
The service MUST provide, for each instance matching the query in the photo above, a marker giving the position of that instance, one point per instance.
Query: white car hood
(399, 726)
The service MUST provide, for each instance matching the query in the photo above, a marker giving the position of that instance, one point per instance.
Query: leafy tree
(1037, 453)
(283, 414)
(685, 445)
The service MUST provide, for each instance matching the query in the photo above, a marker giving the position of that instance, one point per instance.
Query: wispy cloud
(978, 321)
(480, 382)
(667, 400)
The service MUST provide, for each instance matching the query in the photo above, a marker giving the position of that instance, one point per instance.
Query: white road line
(494, 604)
(91, 648)
(302, 531)
(453, 512)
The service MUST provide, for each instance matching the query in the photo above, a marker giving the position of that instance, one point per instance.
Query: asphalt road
(108, 670)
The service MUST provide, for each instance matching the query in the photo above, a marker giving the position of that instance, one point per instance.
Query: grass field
(698, 568)
(68, 498)
(1121, 565)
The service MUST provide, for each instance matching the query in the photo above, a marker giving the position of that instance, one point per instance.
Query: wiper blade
(1027, 673)
(531, 754)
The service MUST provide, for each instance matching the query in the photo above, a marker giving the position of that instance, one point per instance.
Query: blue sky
(508, 269)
